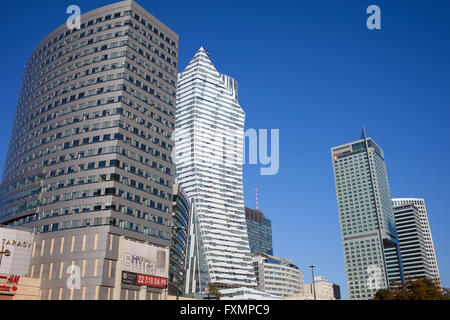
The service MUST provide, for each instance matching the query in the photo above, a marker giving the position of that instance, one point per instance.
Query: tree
(413, 289)
(447, 293)
(212, 290)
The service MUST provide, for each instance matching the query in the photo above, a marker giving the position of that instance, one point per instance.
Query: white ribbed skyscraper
(208, 156)
(426, 230)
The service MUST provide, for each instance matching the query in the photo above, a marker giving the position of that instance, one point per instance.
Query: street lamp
(313, 282)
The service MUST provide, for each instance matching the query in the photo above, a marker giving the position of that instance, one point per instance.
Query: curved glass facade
(180, 229)
(89, 154)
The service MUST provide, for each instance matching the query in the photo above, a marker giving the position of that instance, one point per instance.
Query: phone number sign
(143, 280)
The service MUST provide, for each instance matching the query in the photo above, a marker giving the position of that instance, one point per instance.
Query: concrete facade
(277, 276)
(413, 247)
(426, 232)
(324, 290)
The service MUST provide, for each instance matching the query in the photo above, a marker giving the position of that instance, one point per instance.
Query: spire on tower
(363, 135)
(257, 198)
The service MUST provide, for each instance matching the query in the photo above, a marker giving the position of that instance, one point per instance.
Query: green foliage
(414, 289)
(212, 290)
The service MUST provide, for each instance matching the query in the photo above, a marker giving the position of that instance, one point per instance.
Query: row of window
(101, 90)
(42, 79)
(132, 92)
(38, 56)
(95, 139)
(96, 152)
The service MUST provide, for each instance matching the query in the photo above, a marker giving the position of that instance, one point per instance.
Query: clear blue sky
(313, 70)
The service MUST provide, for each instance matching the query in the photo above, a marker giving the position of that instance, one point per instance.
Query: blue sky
(313, 70)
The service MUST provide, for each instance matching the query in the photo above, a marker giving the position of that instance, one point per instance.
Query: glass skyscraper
(89, 159)
(259, 230)
(367, 222)
(209, 153)
(180, 227)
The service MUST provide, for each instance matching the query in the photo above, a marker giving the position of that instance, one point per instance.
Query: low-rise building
(277, 276)
(323, 289)
(247, 294)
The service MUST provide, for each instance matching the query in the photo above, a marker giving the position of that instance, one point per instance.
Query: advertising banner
(15, 251)
(145, 264)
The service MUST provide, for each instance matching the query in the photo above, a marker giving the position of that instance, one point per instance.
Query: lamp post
(313, 282)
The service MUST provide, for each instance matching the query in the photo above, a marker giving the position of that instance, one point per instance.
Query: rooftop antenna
(257, 198)
(363, 135)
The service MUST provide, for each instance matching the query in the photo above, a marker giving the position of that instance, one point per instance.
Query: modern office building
(412, 242)
(277, 276)
(88, 166)
(322, 288)
(259, 229)
(426, 231)
(208, 156)
(180, 228)
(367, 222)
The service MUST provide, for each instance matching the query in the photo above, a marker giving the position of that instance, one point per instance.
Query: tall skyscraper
(426, 231)
(259, 229)
(209, 146)
(88, 166)
(412, 242)
(368, 230)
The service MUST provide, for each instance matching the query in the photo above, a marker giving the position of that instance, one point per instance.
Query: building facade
(323, 290)
(246, 294)
(180, 229)
(277, 276)
(412, 242)
(89, 159)
(426, 231)
(209, 154)
(367, 222)
(259, 229)
(15, 254)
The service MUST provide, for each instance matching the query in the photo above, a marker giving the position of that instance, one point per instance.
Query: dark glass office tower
(89, 156)
(181, 216)
(259, 230)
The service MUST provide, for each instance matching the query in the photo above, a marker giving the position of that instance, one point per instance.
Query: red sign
(13, 280)
(8, 288)
(9, 280)
(146, 280)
